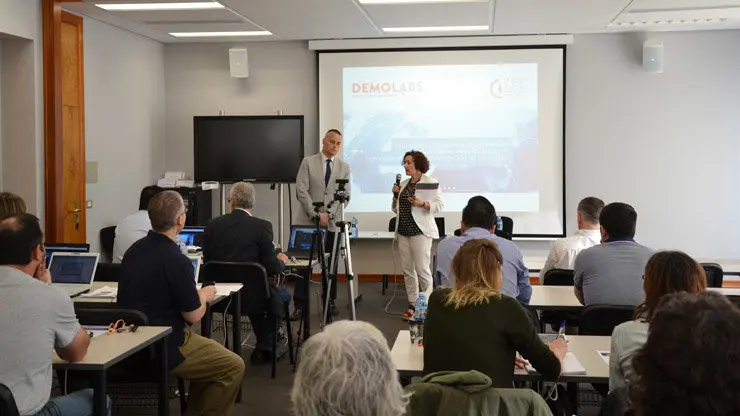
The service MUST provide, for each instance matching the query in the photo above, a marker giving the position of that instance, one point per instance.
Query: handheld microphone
(398, 182)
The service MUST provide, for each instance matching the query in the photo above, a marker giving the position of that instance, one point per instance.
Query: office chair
(107, 238)
(392, 225)
(558, 277)
(601, 319)
(255, 296)
(7, 402)
(715, 274)
(108, 272)
(134, 369)
(507, 228)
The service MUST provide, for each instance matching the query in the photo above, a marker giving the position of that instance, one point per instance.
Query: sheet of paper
(225, 289)
(571, 365)
(604, 356)
(102, 292)
(96, 331)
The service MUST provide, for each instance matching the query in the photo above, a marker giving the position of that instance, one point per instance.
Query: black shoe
(260, 357)
(333, 310)
(297, 314)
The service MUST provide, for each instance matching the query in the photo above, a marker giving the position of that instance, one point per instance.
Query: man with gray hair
(241, 237)
(158, 280)
(347, 370)
(564, 251)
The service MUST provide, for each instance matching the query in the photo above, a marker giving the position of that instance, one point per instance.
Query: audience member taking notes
(479, 222)
(564, 251)
(347, 369)
(37, 318)
(666, 272)
(473, 326)
(689, 364)
(611, 273)
(157, 279)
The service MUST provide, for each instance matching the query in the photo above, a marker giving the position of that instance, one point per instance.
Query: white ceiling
(348, 19)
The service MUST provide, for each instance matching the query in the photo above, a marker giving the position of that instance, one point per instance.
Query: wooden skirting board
(534, 279)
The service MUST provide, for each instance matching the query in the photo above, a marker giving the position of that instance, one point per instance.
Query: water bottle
(353, 232)
(420, 314)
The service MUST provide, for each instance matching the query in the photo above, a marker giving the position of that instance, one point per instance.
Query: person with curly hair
(689, 364)
(666, 272)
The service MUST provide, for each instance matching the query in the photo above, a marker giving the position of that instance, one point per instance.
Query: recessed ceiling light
(435, 29)
(220, 34)
(204, 5)
(419, 1)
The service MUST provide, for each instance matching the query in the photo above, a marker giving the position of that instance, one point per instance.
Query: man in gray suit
(316, 182)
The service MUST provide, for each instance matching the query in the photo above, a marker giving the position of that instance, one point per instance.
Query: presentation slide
(490, 123)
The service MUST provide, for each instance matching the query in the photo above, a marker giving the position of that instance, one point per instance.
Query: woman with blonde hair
(11, 204)
(472, 326)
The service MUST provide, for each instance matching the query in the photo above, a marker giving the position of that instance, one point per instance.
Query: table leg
(100, 402)
(237, 331)
(164, 377)
(205, 323)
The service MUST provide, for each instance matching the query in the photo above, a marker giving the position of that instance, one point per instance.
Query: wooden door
(73, 205)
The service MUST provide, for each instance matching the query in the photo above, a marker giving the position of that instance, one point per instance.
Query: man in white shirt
(137, 225)
(564, 251)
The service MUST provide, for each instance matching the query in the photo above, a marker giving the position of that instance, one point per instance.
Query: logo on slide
(386, 87)
(506, 87)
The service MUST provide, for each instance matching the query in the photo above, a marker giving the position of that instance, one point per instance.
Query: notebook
(301, 239)
(73, 272)
(64, 248)
(195, 260)
(571, 366)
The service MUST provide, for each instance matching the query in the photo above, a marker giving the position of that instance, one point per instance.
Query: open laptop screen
(191, 235)
(195, 261)
(301, 238)
(73, 268)
(64, 248)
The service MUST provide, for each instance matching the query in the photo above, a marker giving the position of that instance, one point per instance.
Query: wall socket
(89, 203)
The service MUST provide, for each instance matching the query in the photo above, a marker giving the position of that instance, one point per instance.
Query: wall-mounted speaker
(238, 63)
(652, 56)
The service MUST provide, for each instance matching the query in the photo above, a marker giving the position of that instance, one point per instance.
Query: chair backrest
(106, 313)
(107, 237)
(715, 274)
(440, 226)
(7, 402)
(558, 277)
(108, 272)
(601, 319)
(253, 276)
(507, 228)
(392, 224)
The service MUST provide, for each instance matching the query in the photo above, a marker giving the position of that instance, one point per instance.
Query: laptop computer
(73, 272)
(195, 260)
(52, 248)
(301, 239)
(191, 237)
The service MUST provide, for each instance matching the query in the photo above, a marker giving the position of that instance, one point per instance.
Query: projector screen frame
(300, 118)
(563, 48)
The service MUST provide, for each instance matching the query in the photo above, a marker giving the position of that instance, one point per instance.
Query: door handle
(76, 211)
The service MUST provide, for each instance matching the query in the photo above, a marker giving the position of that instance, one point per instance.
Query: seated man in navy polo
(241, 237)
(611, 273)
(158, 280)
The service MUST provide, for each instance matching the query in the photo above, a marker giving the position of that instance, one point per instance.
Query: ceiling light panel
(206, 5)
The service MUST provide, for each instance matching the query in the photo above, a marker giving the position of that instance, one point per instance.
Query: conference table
(563, 297)
(107, 350)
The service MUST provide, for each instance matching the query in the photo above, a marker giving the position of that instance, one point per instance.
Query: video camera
(341, 195)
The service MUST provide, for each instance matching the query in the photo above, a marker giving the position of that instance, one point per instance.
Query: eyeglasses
(120, 326)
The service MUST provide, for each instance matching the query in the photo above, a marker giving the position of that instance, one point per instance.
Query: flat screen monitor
(252, 148)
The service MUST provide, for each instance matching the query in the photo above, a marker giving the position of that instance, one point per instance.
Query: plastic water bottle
(353, 229)
(420, 314)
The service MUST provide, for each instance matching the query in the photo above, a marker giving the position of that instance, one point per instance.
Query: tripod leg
(350, 277)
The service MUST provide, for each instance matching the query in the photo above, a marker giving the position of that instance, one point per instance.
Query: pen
(561, 332)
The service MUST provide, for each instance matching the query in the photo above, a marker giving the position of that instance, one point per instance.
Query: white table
(409, 359)
(107, 350)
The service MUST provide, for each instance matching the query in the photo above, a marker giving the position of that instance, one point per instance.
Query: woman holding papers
(473, 326)
(415, 201)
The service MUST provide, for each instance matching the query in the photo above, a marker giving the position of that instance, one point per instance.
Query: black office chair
(255, 295)
(134, 369)
(7, 402)
(715, 274)
(107, 238)
(558, 277)
(601, 319)
(392, 225)
(108, 272)
(507, 228)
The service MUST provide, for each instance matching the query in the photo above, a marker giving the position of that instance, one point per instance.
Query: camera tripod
(341, 247)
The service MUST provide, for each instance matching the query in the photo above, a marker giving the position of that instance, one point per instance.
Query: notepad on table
(105, 292)
(604, 356)
(570, 366)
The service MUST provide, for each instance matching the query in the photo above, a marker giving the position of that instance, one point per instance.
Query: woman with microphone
(415, 225)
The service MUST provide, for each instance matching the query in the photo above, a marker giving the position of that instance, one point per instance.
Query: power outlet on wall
(89, 203)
